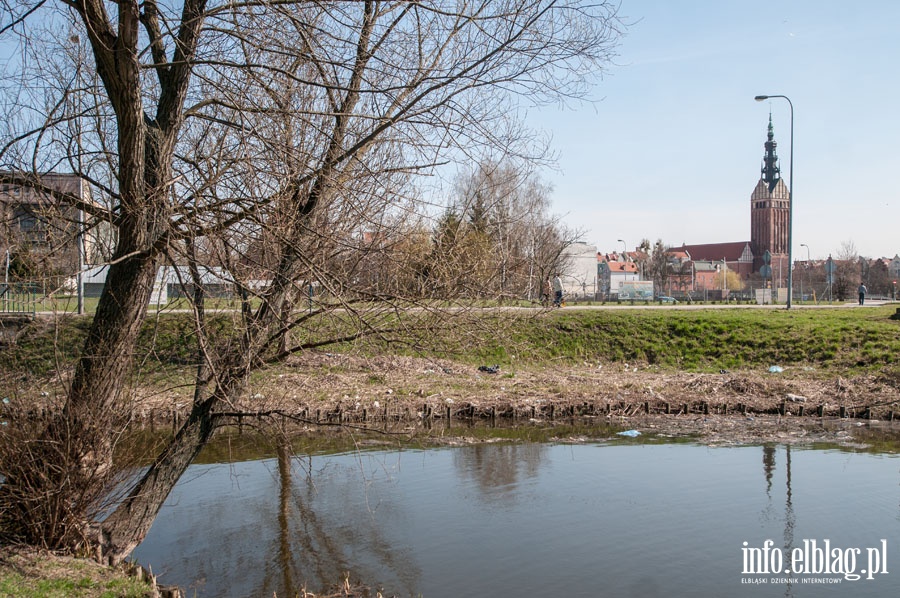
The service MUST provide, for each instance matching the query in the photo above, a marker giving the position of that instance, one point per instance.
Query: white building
(579, 275)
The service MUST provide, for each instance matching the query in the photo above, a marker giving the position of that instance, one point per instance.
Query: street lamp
(790, 290)
(79, 233)
(624, 247)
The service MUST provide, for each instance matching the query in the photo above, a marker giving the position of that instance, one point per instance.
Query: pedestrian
(546, 292)
(557, 291)
(862, 290)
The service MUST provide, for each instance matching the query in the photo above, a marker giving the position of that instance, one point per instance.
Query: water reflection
(497, 470)
(520, 519)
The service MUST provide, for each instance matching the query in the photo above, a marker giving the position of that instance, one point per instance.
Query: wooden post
(684, 408)
(821, 411)
(646, 406)
(552, 411)
(705, 408)
(800, 411)
(668, 409)
(843, 412)
(783, 408)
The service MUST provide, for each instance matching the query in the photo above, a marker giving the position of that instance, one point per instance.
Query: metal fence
(17, 299)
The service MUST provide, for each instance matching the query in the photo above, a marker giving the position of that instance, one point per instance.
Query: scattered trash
(376, 404)
(630, 433)
(723, 371)
(795, 398)
(775, 369)
(489, 369)
(5, 401)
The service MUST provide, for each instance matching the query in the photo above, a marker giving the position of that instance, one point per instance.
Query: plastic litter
(5, 401)
(775, 369)
(629, 433)
(489, 369)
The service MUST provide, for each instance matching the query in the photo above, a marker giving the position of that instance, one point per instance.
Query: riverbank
(787, 405)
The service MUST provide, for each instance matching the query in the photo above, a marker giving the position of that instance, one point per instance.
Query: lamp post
(790, 290)
(79, 232)
(624, 247)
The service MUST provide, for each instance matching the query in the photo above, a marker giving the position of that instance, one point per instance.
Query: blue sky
(671, 146)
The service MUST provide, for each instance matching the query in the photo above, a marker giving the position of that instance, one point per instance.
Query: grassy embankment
(840, 341)
(33, 574)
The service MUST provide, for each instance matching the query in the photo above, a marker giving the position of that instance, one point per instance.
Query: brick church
(769, 215)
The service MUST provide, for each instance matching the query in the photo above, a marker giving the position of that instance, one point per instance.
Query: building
(770, 204)
(579, 274)
(39, 233)
(612, 271)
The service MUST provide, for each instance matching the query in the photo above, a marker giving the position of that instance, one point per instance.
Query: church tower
(770, 212)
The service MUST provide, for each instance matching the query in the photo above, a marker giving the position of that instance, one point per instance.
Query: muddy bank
(748, 405)
(791, 405)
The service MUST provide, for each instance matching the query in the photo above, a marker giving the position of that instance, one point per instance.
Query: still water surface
(606, 519)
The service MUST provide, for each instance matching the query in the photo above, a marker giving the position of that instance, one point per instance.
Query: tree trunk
(127, 526)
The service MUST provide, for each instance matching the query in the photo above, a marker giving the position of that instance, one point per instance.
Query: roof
(731, 252)
(625, 267)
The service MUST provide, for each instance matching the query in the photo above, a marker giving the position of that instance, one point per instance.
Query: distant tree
(878, 278)
(848, 274)
(733, 281)
(511, 239)
(659, 265)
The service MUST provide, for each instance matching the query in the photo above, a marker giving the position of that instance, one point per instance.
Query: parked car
(666, 299)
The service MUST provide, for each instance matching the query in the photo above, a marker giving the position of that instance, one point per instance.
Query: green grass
(840, 340)
(43, 575)
(716, 339)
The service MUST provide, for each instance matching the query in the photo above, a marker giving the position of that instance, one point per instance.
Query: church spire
(770, 170)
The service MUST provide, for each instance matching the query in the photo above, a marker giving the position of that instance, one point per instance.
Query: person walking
(546, 292)
(557, 291)
(862, 290)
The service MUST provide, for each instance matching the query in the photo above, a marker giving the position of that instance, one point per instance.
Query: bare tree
(504, 235)
(658, 266)
(279, 142)
(847, 274)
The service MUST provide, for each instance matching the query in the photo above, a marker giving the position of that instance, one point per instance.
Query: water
(531, 519)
